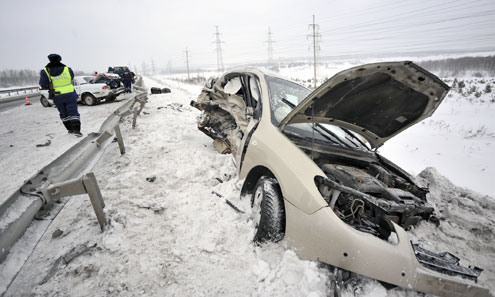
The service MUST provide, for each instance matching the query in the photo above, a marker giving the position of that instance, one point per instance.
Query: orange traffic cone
(27, 101)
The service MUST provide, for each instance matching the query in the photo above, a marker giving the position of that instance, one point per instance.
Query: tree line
(22, 77)
(460, 66)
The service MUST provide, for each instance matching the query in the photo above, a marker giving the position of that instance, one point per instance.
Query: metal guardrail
(18, 91)
(67, 175)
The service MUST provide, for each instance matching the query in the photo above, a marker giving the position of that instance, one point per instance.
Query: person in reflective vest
(57, 79)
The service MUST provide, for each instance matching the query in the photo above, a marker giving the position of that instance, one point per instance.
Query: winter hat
(54, 58)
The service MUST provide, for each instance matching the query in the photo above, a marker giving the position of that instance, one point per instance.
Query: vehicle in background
(111, 79)
(89, 91)
(119, 70)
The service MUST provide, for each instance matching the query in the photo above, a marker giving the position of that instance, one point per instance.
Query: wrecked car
(310, 166)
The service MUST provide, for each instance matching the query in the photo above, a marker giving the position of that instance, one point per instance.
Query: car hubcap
(256, 206)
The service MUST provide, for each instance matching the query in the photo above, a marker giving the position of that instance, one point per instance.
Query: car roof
(259, 71)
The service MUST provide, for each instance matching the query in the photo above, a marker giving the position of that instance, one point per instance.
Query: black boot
(68, 125)
(76, 128)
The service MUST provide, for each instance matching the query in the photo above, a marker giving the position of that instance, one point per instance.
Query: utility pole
(153, 67)
(316, 35)
(169, 67)
(269, 46)
(187, 62)
(145, 68)
(219, 51)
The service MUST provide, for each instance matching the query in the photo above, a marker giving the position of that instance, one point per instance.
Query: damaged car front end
(309, 161)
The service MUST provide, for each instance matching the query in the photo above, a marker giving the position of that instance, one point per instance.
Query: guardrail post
(87, 184)
(91, 185)
(142, 102)
(120, 140)
(134, 117)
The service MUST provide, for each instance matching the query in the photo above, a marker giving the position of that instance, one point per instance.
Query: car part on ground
(344, 204)
(155, 90)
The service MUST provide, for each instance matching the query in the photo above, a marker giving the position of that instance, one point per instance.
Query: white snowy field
(458, 140)
(176, 237)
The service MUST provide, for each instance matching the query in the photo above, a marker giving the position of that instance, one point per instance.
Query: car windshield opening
(285, 95)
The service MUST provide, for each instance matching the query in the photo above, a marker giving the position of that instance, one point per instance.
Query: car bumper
(115, 92)
(322, 236)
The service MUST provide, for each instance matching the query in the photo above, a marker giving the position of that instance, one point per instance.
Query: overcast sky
(94, 34)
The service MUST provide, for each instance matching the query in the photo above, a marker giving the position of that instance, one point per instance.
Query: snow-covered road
(176, 237)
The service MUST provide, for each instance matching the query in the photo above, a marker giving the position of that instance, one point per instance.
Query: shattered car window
(280, 89)
(233, 86)
(325, 134)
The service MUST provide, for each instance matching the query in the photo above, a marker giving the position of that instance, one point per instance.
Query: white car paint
(83, 87)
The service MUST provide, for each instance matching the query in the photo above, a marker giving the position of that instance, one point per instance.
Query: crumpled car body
(343, 203)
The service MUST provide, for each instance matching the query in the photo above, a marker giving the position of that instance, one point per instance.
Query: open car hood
(377, 101)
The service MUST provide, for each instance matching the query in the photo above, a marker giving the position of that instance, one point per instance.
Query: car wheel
(268, 211)
(45, 102)
(89, 99)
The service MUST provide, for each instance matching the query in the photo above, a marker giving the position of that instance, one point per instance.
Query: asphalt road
(14, 101)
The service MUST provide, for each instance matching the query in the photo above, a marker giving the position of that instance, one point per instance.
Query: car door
(252, 97)
(77, 86)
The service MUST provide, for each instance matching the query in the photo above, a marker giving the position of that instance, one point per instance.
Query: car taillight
(104, 87)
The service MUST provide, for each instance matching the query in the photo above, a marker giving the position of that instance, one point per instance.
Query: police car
(89, 91)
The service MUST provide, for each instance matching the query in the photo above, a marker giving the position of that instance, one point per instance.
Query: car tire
(45, 102)
(89, 99)
(268, 211)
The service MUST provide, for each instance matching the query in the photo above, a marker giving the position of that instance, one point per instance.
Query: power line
(153, 67)
(396, 17)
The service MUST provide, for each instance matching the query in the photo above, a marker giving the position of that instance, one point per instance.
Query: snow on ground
(458, 140)
(176, 237)
(24, 127)
(171, 237)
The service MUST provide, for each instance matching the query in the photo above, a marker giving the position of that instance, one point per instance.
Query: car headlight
(359, 210)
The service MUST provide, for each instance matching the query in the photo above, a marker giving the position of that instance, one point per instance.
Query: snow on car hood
(377, 101)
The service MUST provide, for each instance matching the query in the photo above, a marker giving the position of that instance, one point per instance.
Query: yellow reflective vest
(62, 84)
